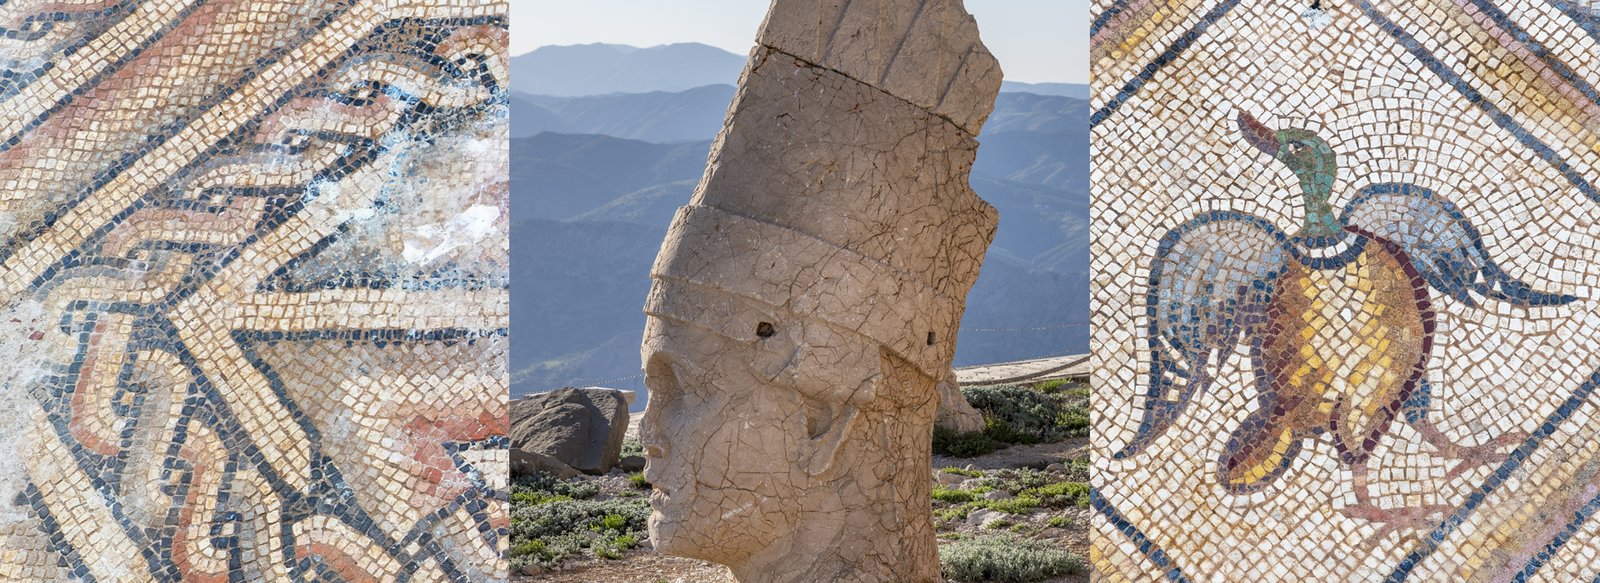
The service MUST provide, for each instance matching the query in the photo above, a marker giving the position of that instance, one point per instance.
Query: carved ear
(827, 424)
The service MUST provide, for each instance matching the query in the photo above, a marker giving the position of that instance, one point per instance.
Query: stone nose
(662, 382)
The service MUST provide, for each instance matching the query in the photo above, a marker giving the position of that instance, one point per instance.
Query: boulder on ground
(527, 463)
(632, 463)
(583, 428)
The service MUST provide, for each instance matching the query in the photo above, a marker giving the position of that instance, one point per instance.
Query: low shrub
(638, 481)
(613, 548)
(1016, 505)
(953, 495)
(546, 485)
(1004, 558)
(564, 516)
(1060, 495)
(947, 442)
(1018, 415)
(631, 446)
(962, 472)
(548, 528)
(1023, 415)
(1052, 386)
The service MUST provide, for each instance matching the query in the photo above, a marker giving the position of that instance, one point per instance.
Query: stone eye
(765, 330)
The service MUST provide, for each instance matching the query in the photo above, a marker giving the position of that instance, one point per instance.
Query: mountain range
(596, 178)
(599, 69)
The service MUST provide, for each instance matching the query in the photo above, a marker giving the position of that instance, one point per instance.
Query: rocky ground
(1013, 509)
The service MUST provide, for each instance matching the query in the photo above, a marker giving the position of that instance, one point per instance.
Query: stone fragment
(926, 52)
(986, 518)
(806, 301)
(949, 479)
(582, 428)
(955, 413)
(631, 463)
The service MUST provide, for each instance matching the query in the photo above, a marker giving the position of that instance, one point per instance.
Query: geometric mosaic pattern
(1346, 290)
(254, 268)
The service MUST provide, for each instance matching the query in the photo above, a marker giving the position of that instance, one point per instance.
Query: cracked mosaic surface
(254, 266)
(1345, 260)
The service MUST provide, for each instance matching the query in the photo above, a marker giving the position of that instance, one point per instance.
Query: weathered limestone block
(955, 413)
(925, 52)
(583, 428)
(805, 303)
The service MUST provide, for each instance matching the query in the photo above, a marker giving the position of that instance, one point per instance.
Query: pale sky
(1036, 41)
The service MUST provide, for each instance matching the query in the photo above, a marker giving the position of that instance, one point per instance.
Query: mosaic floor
(1345, 294)
(254, 266)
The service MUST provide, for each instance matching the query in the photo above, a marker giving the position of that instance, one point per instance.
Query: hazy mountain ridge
(658, 116)
(1073, 90)
(563, 176)
(600, 69)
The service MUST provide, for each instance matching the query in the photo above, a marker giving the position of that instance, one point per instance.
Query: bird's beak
(1258, 134)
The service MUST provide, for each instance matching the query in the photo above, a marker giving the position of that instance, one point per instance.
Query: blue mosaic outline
(328, 493)
(67, 558)
(1148, 547)
(164, 132)
(1586, 19)
(1571, 77)
(13, 81)
(1171, 54)
(1454, 274)
(1500, 118)
(1555, 544)
(1104, 17)
(106, 70)
(1427, 545)
(331, 492)
(1410, 43)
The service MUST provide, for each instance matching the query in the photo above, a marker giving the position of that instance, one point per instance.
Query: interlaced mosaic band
(255, 304)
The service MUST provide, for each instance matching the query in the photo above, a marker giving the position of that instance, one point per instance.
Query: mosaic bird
(1336, 318)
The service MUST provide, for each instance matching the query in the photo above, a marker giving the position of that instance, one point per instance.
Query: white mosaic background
(1174, 151)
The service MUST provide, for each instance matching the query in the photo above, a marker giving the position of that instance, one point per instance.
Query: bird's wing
(1211, 282)
(1441, 244)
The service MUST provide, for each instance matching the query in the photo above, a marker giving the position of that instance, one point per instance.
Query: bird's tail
(1501, 286)
(1170, 389)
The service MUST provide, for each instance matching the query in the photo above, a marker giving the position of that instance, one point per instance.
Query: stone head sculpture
(805, 303)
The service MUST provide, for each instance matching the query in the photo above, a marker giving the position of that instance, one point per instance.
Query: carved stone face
(732, 439)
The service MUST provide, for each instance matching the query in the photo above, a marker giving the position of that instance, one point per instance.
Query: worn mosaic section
(254, 271)
(1345, 294)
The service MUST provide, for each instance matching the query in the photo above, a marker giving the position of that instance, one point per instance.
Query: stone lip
(581, 428)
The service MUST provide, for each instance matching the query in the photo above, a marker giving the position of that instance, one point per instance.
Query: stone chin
(668, 535)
